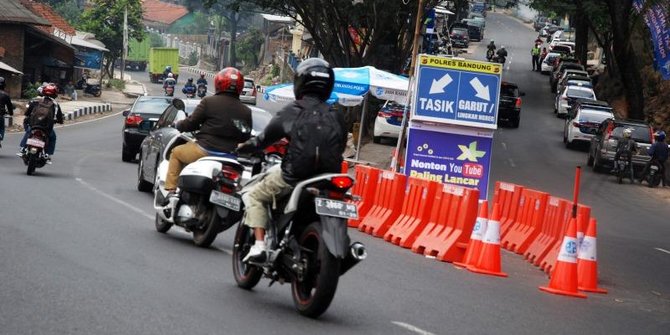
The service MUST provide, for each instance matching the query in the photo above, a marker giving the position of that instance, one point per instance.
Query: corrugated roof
(163, 12)
(11, 11)
(45, 11)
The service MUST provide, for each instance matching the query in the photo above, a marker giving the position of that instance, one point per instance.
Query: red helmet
(229, 80)
(50, 91)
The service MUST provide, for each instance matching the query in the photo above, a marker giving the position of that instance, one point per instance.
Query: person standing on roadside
(535, 53)
(6, 107)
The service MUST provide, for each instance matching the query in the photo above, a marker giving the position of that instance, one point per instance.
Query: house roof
(11, 11)
(45, 11)
(162, 12)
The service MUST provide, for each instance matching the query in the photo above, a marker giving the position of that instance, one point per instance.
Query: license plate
(225, 200)
(35, 143)
(336, 208)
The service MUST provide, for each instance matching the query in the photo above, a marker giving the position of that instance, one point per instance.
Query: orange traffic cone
(475, 244)
(488, 261)
(587, 262)
(564, 277)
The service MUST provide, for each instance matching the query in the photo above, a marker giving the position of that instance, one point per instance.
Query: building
(160, 15)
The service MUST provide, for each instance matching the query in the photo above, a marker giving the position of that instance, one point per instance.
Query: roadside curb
(72, 115)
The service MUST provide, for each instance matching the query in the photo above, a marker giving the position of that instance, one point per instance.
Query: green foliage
(69, 10)
(31, 91)
(116, 83)
(275, 70)
(195, 23)
(156, 40)
(192, 58)
(249, 47)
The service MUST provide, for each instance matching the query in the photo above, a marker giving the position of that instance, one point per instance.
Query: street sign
(457, 91)
(450, 155)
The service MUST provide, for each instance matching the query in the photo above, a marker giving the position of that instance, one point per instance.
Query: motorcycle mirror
(180, 115)
(178, 104)
(126, 112)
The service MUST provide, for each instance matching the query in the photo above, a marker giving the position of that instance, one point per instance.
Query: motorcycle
(623, 169)
(34, 156)
(169, 91)
(202, 91)
(93, 89)
(489, 54)
(499, 59)
(654, 174)
(207, 202)
(307, 239)
(189, 92)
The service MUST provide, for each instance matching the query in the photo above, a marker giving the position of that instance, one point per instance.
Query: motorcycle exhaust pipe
(357, 253)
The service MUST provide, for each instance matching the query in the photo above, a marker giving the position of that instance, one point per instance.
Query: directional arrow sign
(438, 85)
(482, 91)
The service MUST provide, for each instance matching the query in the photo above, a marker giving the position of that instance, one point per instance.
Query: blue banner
(430, 22)
(87, 58)
(449, 158)
(656, 17)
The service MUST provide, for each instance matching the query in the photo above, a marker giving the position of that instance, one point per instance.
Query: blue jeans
(51, 143)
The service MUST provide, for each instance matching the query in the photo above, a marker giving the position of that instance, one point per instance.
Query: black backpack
(42, 115)
(317, 142)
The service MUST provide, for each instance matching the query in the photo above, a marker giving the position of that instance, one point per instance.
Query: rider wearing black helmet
(313, 83)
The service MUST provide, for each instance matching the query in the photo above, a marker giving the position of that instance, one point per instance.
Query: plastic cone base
(593, 290)
(486, 272)
(561, 292)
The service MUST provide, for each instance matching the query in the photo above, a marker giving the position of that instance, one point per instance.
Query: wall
(12, 39)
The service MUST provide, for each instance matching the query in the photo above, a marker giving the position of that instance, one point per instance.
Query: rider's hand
(249, 146)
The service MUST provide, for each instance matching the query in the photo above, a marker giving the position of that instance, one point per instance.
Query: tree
(105, 20)
(233, 11)
(68, 9)
(249, 47)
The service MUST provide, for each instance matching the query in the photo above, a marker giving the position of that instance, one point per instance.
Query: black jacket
(281, 125)
(5, 104)
(219, 119)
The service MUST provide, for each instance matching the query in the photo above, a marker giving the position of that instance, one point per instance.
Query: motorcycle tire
(246, 275)
(97, 94)
(654, 180)
(161, 225)
(619, 176)
(313, 294)
(205, 236)
(32, 164)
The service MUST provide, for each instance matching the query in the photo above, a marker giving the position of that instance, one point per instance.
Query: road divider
(415, 212)
(387, 204)
(367, 180)
(528, 223)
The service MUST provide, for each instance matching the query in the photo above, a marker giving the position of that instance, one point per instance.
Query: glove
(248, 147)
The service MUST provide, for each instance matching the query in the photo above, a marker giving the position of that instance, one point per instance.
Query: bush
(193, 58)
(156, 40)
(116, 83)
(31, 91)
(275, 70)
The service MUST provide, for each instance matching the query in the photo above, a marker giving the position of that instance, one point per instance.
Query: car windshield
(151, 105)
(577, 93)
(509, 90)
(640, 133)
(593, 116)
(259, 117)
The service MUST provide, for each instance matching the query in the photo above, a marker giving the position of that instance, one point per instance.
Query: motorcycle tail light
(342, 182)
(133, 120)
(230, 173)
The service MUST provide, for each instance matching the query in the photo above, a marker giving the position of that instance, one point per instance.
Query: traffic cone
(587, 262)
(488, 261)
(564, 277)
(582, 221)
(475, 244)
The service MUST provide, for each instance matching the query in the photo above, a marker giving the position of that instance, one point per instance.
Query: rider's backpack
(42, 114)
(317, 142)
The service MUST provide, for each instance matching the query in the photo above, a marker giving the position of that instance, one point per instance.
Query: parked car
(603, 144)
(388, 121)
(567, 97)
(249, 93)
(509, 104)
(144, 107)
(564, 64)
(548, 62)
(584, 118)
(160, 133)
(578, 81)
(564, 49)
(540, 22)
(567, 73)
(475, 33)
(460, 37)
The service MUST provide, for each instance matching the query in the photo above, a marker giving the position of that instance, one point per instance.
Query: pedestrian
(6, 107)
(542, 56)
(535, 53)
(70, 91)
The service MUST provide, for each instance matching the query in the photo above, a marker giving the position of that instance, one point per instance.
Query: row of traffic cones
(576, 267)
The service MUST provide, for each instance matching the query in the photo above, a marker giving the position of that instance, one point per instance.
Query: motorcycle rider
(659, 153)
(626, 146)
(502, 54)
(217, 117)
(188, 87)
(168, 70)
(50, 92)
(313, 83)
(6, 107)
(169, 82)
(202, 80)
(491, 49)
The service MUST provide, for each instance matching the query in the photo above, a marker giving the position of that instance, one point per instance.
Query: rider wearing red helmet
(43, 106)
(219, 118)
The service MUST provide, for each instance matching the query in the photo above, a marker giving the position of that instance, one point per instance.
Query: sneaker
(171, 194)
(47, 158)
(257, 253)
(22, 152)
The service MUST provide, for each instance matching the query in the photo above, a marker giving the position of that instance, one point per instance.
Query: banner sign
(462, 158)
(457, 91)
(87, 58)
(656, 17)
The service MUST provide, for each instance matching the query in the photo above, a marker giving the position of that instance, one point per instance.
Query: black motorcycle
(623, 169)
(489, 54)
(202, 90)
(308, 243)
(654, 174)
(34, 156)
(93, 89)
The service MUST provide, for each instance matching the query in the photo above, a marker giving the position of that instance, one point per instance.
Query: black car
(475, 33)
(558, 73)
(145, 107)
(460, 37)
(603, 145)
(160, 133)
(509, 104)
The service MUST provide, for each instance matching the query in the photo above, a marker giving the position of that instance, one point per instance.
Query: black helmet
(2, 82)
(313, 76)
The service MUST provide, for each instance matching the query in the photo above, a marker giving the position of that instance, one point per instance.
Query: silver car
(249, 92)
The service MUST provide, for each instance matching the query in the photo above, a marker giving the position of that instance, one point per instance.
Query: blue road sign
(457, 91)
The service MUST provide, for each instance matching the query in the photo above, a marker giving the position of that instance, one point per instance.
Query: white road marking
(114, 199)
(504, 145)
(511, 162)
(411, 328)
(662, 250)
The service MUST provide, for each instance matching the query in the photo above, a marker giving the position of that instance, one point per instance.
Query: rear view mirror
(180, 115)
(126, 112)
(178, 104)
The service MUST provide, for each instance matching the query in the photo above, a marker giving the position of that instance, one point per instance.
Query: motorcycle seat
(220, 154)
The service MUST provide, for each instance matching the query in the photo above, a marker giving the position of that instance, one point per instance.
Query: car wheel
(589, 160)
(565, 139)
(142, 184)
(127, 156)
(377, 139)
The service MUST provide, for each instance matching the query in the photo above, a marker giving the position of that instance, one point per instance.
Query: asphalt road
(80, 254)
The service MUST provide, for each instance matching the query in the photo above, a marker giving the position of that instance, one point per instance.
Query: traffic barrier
(548, 262)
(489, 261)
(564, 277)
(507, 196)
(415, 212)
(587, 262)
(387, 204)
(557, 211)
(475, 245)
(528, 223)
(367, 180)
(344, 167)
(452, 217)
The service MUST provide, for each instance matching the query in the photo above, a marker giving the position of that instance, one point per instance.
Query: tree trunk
(581, 36)
(233, 38)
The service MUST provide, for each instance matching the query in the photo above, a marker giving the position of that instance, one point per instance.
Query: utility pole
(395, 163)
(125, 41)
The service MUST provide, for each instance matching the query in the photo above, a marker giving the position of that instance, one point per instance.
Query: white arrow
(438, 85)
(482, 91)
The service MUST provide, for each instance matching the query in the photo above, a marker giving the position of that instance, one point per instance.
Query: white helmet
(170, 75)
(627, 132)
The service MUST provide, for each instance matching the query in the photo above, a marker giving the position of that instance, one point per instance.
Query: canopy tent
(352, 86)
(8, 68)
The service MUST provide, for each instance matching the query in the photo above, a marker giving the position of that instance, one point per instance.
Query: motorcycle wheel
(246, 275)
(313, 294)
(654, 180)
(204, 236)
(619, 176)
(98, 94)
(32, 164)
(161, 225)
